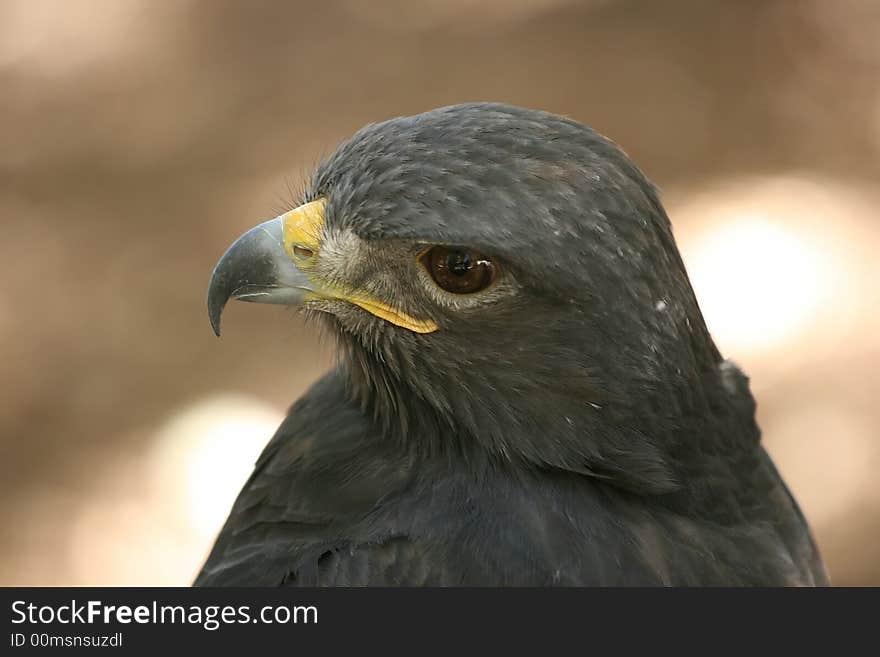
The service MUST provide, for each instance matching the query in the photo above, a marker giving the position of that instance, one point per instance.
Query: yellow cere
(302, 229)
(303, 226)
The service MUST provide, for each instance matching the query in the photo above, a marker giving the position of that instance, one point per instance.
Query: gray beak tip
(214, 313)
(255, 268)
(218, 295)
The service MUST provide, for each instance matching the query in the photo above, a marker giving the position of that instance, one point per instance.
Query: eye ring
(459, 270)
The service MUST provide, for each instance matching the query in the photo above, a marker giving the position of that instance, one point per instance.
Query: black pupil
(460, 271)
(459, 262)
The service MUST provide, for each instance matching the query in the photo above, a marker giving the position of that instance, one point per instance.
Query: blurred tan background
(138, 138)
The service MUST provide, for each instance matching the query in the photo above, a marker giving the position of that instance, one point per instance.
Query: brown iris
(459, 270)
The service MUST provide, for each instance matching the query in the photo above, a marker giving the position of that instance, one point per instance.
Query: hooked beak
(270, 264)
(256, 268)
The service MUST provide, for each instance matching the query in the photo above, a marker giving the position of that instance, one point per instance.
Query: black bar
(330, 619)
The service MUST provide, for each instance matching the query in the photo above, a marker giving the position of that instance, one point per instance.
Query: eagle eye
(459, 270)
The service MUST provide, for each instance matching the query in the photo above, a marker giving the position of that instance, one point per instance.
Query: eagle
(526, 392)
